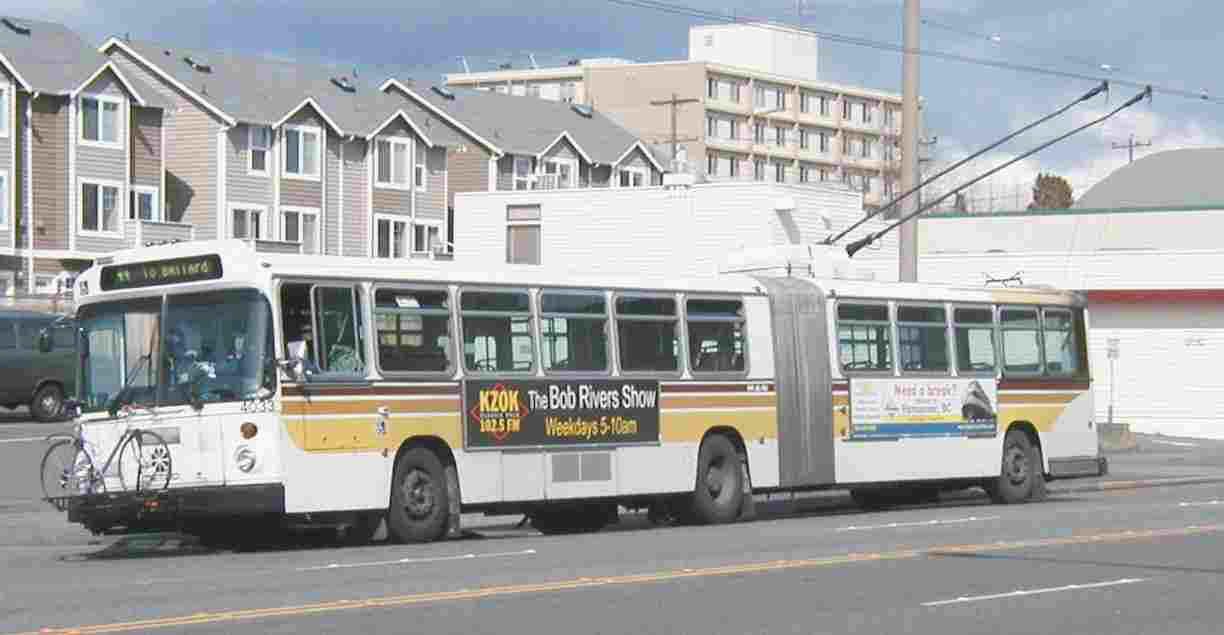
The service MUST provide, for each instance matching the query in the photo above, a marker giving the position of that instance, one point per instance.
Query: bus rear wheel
(1019, 472)
(420, 504)
(720, 490)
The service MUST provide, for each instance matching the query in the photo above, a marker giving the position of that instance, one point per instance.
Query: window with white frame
(780, 98)
(846, 109)
(733, 166)
(250, 222)
(733, 132)
(805, 102)
(712, 127)
(780, 136)
(303, 152)
(824, 141)
(144, 204)
(8, 284)
(301, 226)
(424, 237)
(804, 175)
(523, 239)
(391, 237)
(712, 88)
(867, 147)
(420, 174)
(259, 140)
(759, 99)
(780, 172)
(803, 139)
(6, 93)
(100, 207)
(4, 199)
(559, 173)
(758, 132)
(734, 87)
(758, 169)
(100, 119)
(866, 112)
(522, 173)
(632, 176)
(45, 285)
(824, 105)
(712, 165)
(392, 161)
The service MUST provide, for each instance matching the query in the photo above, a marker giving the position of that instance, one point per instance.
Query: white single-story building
(682, 230)
(1146, 247)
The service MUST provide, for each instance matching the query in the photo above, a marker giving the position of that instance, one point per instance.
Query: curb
(1106, 486)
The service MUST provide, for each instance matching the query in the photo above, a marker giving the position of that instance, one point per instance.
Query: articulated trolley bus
(276, 386)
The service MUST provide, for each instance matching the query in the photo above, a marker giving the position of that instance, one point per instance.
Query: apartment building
(522, 143)
(295, 157)
(751, 122)
(81, 158)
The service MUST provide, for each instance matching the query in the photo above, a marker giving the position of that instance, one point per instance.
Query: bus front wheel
(719, 491)
(419, 501)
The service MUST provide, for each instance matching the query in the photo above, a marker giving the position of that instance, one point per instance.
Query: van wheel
(720, 490)
(48, 403)
(420, 505)
(1018, 473)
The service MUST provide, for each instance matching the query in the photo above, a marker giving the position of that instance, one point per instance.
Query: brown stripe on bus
(1041, 383)
(734, 387)
(320, 390)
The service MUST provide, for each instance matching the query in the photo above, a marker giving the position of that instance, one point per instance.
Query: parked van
(37, 362)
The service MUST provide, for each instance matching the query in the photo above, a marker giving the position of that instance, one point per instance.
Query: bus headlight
(244, 458)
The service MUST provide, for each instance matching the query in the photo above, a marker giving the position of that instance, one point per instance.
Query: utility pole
(1130, 147)
(908, 239)
(675, 102)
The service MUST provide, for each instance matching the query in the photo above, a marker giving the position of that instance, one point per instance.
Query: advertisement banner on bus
(890, 408)
(509, 413)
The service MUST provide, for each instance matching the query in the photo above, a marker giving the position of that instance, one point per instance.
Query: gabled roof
(258, 90)
(53, 59)
(1166, 179)
(638, 145)
(512, 124)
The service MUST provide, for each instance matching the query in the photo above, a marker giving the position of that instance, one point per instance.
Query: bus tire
(1018, 473)
(719, 491)
(419, 500)
(48, 403)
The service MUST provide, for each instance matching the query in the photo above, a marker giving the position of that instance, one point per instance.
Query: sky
(1168, 44)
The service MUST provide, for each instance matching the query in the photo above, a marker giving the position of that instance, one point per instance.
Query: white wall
(775, 50)
(680, 232)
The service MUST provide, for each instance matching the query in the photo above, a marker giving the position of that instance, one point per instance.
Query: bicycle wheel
(66, 471)
(144, 462)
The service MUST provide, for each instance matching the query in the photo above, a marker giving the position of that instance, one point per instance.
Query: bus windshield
(202, 347)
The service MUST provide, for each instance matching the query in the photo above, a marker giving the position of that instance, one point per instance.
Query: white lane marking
(1025, 592)
(23, 440)
(920, 523)
(1200, 503)
(1180, 444)
(383, 563)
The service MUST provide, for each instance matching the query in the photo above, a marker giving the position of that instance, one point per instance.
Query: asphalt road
(1129, 561)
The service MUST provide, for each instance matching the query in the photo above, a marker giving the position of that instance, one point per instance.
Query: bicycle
(141, 458)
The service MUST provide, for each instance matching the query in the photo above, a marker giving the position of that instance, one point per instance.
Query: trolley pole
(908, 238)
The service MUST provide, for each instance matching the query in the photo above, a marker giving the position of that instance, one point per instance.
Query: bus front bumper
(99, 512)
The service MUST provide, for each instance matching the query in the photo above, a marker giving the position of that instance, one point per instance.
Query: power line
(682, 10)
(998, 39)
(1130, 147)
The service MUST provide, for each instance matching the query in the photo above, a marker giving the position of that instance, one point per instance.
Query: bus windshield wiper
(120, 398)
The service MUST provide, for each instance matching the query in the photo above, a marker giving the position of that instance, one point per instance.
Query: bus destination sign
(160, 272)
(558, 413)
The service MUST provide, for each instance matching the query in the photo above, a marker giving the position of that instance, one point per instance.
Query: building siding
(101, 244)
(624, 95)
(15, 166)
(191, 154)
(431, 204)
(49, 169)
(467, 170)
(146, 146)
(240, 185)
(100, 163)
(356, 195)
(397, 202)
(300, 192)
(331, 210)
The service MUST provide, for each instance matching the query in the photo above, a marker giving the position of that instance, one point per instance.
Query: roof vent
(344, 84)
(18, 26)
(583, 109)
(197, 64)
(574, 62)
(444, 92)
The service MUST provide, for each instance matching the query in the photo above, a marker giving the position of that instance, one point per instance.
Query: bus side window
(1021, 341)
(413, 327)
(716, 335)
(647, 334)
(1061, 349)
(573, 332)
(497, 331)
(864, 337)
(339, 337)
(975, 335)
(922, 333)
(296, 324)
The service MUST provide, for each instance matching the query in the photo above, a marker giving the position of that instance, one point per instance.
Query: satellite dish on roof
(344, 84)
(443, 92)
(583, 109)
(16, 25)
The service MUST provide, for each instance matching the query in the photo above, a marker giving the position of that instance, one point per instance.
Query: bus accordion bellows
(365, 390)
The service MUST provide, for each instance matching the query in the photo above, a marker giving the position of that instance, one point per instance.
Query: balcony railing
(140, 232)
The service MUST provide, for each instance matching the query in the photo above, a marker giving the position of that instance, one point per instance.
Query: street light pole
(908, 239)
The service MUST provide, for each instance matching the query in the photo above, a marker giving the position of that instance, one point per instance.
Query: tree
(1051, 192)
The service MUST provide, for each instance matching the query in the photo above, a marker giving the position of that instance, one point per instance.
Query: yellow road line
(583, 583)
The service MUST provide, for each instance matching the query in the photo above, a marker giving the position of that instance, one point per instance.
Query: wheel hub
(418, 493)
(1017, 467)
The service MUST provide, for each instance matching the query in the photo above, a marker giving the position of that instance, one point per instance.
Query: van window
(1061, 348)
(716, 335)
(63, 338)
(1021, 341)
(864, 339)
(414, 330)
(647, 334)
(973, 329)
(573, 332)
(497, 331)
(923, 338)
(8, 335)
